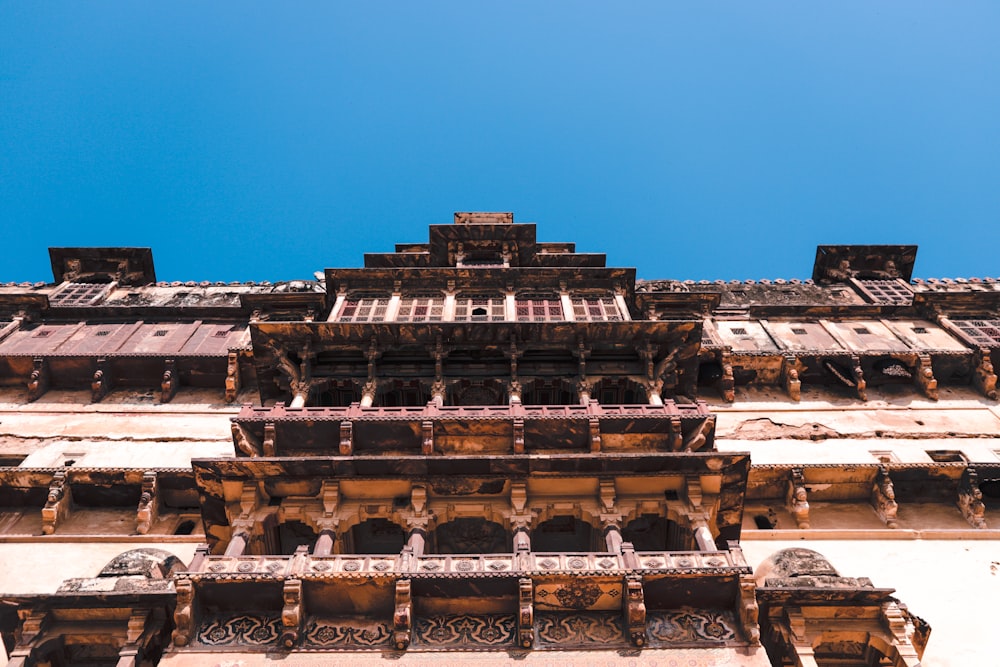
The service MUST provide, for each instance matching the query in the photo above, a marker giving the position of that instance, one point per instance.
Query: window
(596, 309)
(539, 308)
(946, 456)
(479, 309)
(799, 331)
(420, 309)
(919, 330)
(739, 331)
(861, 330)
(985, 333)
(364, 309)
(79, 294)
(888, 292)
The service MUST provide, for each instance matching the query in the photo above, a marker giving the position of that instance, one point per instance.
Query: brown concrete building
(501, 449)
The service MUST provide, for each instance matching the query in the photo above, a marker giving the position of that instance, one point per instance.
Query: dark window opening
(765, 521)
(946, 456)
(562, 533)
(799, 332)
(377, 536)
(185, 528)
(471, 536)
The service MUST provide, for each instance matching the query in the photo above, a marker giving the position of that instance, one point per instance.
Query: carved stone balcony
(434, 429)
(534, 564)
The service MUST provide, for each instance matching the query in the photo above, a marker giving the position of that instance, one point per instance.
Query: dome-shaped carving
(792, 563)
(150, 563)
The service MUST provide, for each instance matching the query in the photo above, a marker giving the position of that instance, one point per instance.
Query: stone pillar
(299, 400)
(237, 544)
(613, 537)
(415, 540)
(324, 543)
(522, 538)
(703, 537)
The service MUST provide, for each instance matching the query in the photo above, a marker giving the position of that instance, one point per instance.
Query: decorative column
(328, 521)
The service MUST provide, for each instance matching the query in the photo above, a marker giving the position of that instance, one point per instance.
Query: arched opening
(477, 392)
(293, 534)
(471, 535)
(549, 392)
(647, 533)
(621, 391)
(398, 393)
(377, 536)
(335, 394)
(562, 533)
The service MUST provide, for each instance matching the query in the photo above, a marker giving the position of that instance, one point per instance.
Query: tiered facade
(481, 444)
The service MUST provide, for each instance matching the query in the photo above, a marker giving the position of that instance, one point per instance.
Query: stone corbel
(859, 378)
(170, 381)
(245, 441)
(146, 513)
(38, 381)
(883, 498)
(368, 393)
(696, 440)
(796, 498)
(595, 434)
(57, 505)
(292, 612)
(29, 632)
(102, 381)
(402, 617)
(924, 377)
(749, 611)
(269, 446)
(970, 499)
(984, 377)
(233, 380)
(427, 441)
(675, 434)
(634, 603)
(346, 438)
(727, 381)
(518, 427)
(525, 613)
(184, 612)
(790, 369)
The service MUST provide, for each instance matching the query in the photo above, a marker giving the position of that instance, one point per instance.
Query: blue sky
(252, 141)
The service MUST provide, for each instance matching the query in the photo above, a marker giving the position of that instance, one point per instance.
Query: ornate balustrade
(466, 565)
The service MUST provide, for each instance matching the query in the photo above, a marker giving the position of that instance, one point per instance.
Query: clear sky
(264, 141)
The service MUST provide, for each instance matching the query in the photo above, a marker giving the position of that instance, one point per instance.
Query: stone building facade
(501, 449)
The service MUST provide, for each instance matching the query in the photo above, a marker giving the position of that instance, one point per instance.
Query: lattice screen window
(480, 309)
(539, 308)
(420, 309)
(985, 333)
(364, 309)
(596, 309)
(888, 292)
(79, 294)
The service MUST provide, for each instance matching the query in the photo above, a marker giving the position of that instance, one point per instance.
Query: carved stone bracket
(924, 377)
(675, 435)
(184, 612)
(748, 609)
(170, 381)
(233, 380)
(146, 513)
(984, 378)
(883, 498)
(292, 612)
(727, 382)
(57, 505)
(102, 381)
(346, 438)
(246, 441)
(696, 440)
(402, 617)
(634, 611)
(525, 613)
(427, 442)
(269, 446)
(970, 499)
(38, 381)
(796, 498)
(790, 369)
(595, 435)
(518, 435)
